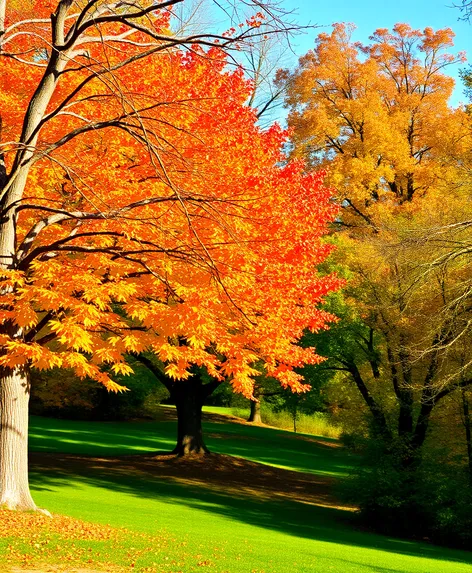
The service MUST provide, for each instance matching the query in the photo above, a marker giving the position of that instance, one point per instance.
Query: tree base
(20, 506)
(190, 450)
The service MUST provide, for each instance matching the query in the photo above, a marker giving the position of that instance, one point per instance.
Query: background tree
(264, 388)
(377, 117)
(143, 210)
(60, 393)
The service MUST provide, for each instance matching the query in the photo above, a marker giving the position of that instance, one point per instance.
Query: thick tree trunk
(14, 398)
(188, 397)
(255, 413)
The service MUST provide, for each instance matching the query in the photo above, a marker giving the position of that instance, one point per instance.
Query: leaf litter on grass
(32, 542)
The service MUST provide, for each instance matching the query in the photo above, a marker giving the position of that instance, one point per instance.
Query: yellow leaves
(133, 343)
(112, 386)
(107, 354)
(46, 359)
(82, 367)
(19, 353)
(377, 121)
(243, 383)
(241, 373)
(290, 379)
(11, 278)
(79, 363)
(138, 310)
(122, 368)
(178, 370)
(72, 335)
(196, 342)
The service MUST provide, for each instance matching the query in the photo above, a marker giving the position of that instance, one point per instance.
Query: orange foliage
(156, 216)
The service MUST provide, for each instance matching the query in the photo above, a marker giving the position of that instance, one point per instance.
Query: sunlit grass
(317, 424)
(199, 527)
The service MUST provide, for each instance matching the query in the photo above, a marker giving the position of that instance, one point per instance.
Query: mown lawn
(183, 519)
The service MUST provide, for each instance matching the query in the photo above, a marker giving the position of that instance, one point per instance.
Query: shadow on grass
(260, 444)
(257, 507)
(295, 513)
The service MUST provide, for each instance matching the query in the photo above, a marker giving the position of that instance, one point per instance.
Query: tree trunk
(468, 429)
(188, 397)
(380, 425)
(405, 416)
(255, 414)
(14, 397)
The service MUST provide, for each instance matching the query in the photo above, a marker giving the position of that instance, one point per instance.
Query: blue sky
(368, 15)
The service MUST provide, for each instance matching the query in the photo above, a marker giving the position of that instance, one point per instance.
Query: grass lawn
(234, 517)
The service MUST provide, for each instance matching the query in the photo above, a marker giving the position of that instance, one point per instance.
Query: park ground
(266, 501)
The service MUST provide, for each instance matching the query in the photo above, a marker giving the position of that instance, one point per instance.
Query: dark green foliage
(222, 396)
(424, 499)
(445, 494)
(60, 394)
(384, 490)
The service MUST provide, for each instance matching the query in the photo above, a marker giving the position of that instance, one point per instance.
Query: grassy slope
(221, 530)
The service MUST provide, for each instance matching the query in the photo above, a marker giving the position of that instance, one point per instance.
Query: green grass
(317, 424)
(264, 445)
(223, 531)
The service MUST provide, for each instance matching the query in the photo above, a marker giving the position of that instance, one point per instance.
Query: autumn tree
(143, 210)
(263, 389)
(378, 118)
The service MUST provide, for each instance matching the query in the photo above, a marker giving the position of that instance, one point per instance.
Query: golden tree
(377, 117)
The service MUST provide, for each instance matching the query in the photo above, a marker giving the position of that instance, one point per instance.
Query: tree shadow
(293, 503)
(266, 445)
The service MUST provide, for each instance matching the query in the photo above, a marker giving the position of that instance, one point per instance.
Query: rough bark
(188, 396)
(3, 7)
(14, 398)
(255, 413)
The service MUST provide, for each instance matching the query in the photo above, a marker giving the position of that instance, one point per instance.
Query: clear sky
(368, 15)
